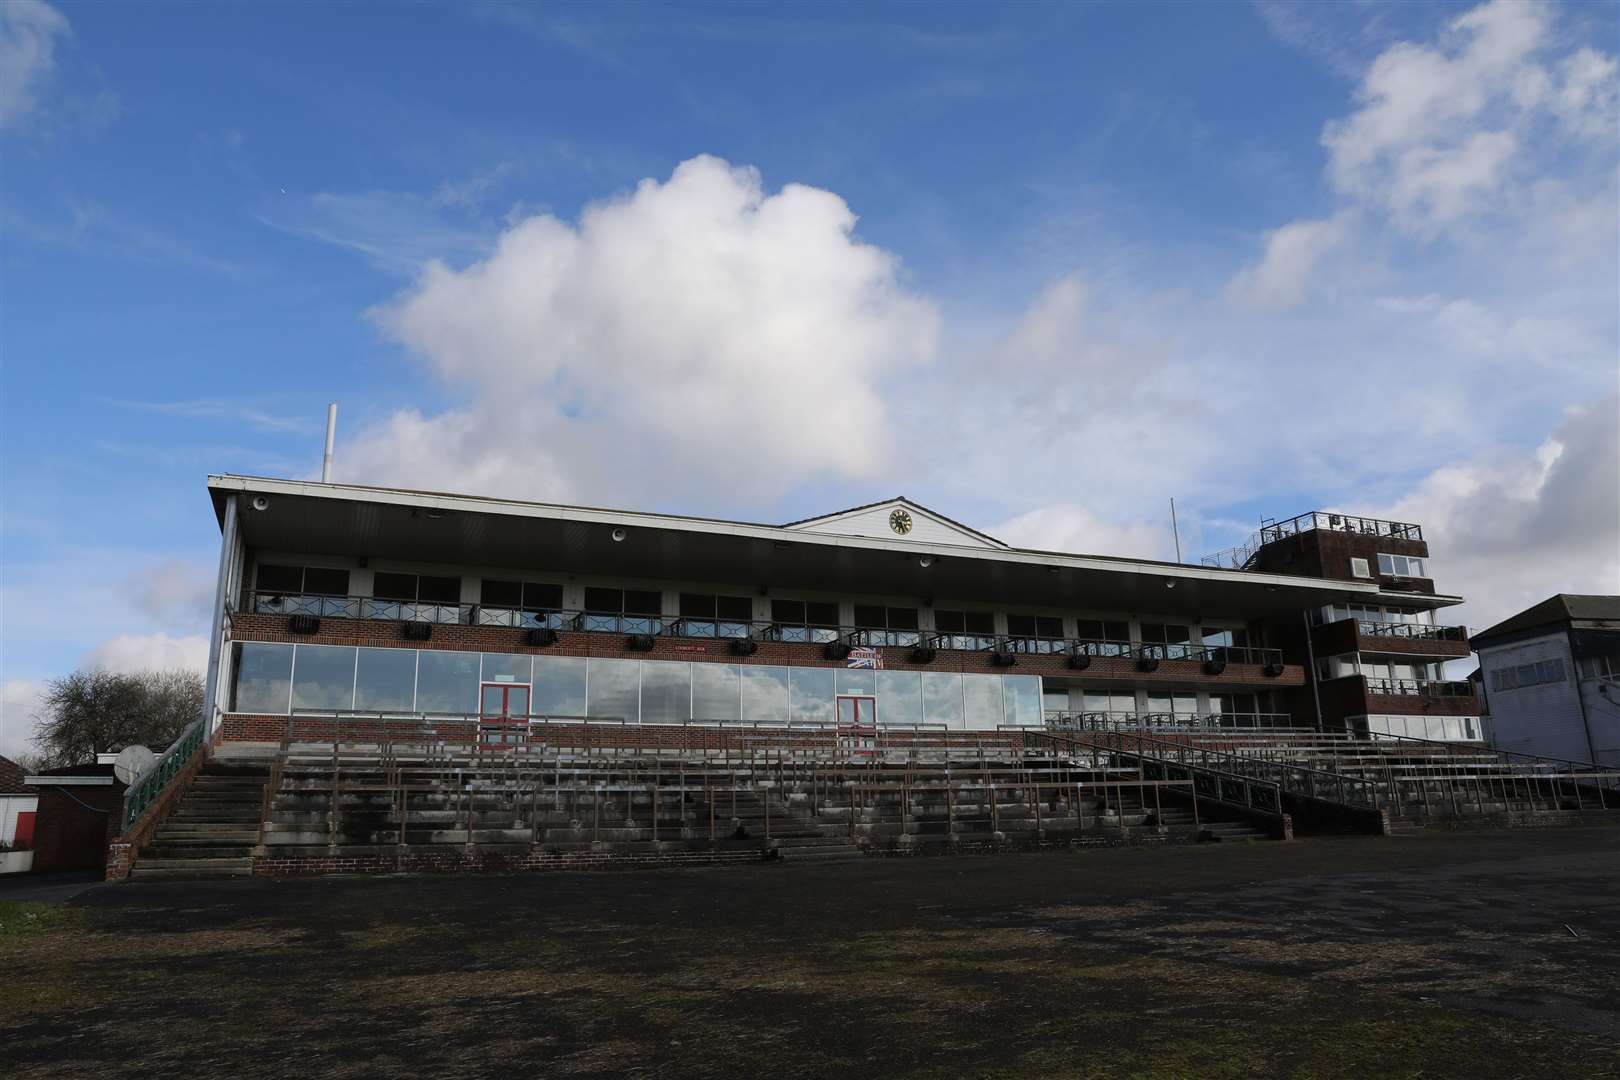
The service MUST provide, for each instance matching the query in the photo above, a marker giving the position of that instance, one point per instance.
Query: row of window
(1600, 667)
(1437, 728)
(1337, 667)
(1391, 565)
(1373, 613)
(1539, 673)
(277, 679)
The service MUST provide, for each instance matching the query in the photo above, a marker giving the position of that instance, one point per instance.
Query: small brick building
(79, 813)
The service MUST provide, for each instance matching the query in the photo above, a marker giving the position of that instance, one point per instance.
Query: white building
(1552, 679)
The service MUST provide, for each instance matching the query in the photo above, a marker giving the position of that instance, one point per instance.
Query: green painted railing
(145, 788)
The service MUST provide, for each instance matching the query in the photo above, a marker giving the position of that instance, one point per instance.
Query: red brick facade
(75, 826)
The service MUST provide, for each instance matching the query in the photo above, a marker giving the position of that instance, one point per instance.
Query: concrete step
(209, 862)
(185, 873)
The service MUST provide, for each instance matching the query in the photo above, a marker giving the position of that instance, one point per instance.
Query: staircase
(212, 830)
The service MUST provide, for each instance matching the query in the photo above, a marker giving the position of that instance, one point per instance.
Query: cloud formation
(29, 30)
(695, 325)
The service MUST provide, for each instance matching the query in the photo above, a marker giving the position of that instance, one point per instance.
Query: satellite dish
(132, 761)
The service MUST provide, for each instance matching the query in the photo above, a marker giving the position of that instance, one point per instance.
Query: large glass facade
(271, 678)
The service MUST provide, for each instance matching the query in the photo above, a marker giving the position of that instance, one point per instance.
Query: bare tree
(91, 712)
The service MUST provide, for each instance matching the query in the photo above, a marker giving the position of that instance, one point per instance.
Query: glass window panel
(1022, 695)
(697, 605)
(505, 667)
(942, 698)
(559, 685)
(666, 692)
(765, 694)
(438, 590)
(390, 586)
(492, 701)
(899, 695)
(1184, 704)
(614, 689)
(1049, 626)
(1158, 703)
(263, 678)
(446, 682)
(1021, 625)
(734, 608)
(715, 692)
(811, 692)
(325, 581)
(501, 594)
(902, 618)
(787, 611)
(980, 622)
(385, 680)
(820, 613)
(1095, 701)
(1215, 637)
(856, 680)
(607, 600)
(643, 602)
(948, 622)
(867, 615)
(541, 596)
(323, 677)
(280, 579)
(981, 700)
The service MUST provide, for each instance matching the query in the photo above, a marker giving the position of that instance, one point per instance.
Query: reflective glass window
(716, 692)
(942, 698)
(505, 667)
(279, 579)
(981, 701)
(811, 694)
(385, 680)
(1022, 696)
(323, 677)
(666, 692)
(899, 697)
(614, 689)
(446, 682)
(263, 678)
(765, 694)
(559, 685)
(856, 680)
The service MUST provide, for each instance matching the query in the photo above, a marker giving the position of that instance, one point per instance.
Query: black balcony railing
(684, 626)
(1420, 688)
(1242, 556)
(1411, 631)
(1135, 721)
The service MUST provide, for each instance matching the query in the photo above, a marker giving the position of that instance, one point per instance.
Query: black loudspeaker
(744, 646)
(1273, 669)
(303, 624)
(1079, 661)
(924, 654)
(639, 643)
(1003, 658)
(836, 650)
(542, 636)
(418, 631)
(1214, 667)
(1147, 663)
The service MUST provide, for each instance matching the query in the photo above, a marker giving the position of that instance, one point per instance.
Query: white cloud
(1070, 528)
(20, 700)
(1282, 275)
(28, 33)
(694, 328)
(1511, 528)
(175, 591)
(128, 653)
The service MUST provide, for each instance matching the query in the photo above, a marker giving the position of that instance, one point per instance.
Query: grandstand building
(356, 605)
(408, 681)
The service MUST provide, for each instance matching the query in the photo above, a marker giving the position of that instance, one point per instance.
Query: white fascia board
(474, 504)
(68, 781)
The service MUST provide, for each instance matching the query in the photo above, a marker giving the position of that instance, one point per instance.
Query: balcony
(1389, 638)
(1102, 659)
(1131, 721)
(1357, 695)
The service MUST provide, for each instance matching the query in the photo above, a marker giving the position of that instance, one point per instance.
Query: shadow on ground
(1434, 956)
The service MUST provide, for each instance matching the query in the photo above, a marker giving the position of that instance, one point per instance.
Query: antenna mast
(331, 429)
(1174, 528)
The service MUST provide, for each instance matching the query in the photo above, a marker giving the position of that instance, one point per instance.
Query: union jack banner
(865, 657)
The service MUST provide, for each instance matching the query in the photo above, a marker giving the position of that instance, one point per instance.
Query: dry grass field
(1435, 956)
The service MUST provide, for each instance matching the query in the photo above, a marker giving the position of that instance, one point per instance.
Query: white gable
(875, 522)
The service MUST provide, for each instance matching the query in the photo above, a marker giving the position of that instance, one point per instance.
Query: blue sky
(1040, 266)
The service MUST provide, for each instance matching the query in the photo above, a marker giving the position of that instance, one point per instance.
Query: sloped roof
(893, 501)
(1557, 610)
(11, 779)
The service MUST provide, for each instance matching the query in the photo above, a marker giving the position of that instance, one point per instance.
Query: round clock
(900, 522)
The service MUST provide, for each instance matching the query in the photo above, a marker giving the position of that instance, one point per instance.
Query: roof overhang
(473, 531)
(69, 781)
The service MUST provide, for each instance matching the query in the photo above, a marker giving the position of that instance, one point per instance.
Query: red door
(857, 723)
(503, 713)
(25, 830)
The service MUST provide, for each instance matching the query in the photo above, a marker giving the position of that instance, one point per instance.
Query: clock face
(900, 522)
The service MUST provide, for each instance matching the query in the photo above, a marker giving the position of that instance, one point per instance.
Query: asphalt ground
(1440, 955)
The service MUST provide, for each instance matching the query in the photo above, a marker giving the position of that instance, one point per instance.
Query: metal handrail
(1372, 628)
(1242, 555)
(1421, 688)
(145, 788)
(1222, 722)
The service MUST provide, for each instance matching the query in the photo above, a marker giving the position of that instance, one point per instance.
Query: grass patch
(22, 919)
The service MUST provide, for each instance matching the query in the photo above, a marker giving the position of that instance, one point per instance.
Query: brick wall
(121, 850)
(75, 826)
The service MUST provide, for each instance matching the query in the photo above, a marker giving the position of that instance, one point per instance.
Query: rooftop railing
(1242, 556)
